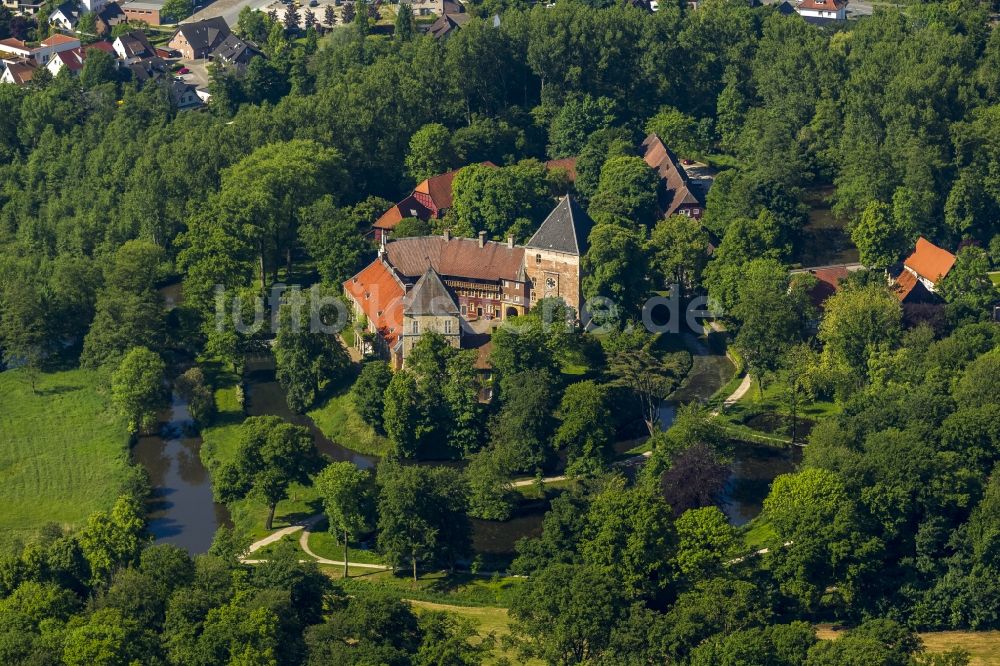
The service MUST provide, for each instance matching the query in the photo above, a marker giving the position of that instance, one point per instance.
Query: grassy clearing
(983, 646)
(460, 588)
(995, 276)
(339, 420)
(487, 621)
(329, 547)
(63, 452)
(758, 533)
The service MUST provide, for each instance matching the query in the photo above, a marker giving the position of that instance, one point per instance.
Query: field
(63, 452)
(983, 646)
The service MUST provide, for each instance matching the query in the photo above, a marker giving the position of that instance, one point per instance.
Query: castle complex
(461, 287)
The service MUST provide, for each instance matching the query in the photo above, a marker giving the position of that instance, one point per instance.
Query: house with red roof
(680, 197)
(922, 271)
(430, 200)
(833, 10)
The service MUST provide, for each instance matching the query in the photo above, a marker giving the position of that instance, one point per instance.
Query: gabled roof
(438, 189)
(234, 50)
(408, 207)
(823, 5)
(72, 59)
(929, 261)
(429, 296)
(379, 294)
(566, 229)
(827, 283)
(111, 12)
(21, 72)
(455, 257)
(786, 8)
(205, 34)
(107, 47)
(675, 178)
(135, 45)
(68, 10)
(446, 23)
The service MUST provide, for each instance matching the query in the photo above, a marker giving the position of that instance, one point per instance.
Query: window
(465, 310)
(415, 328)
(538, 258)
(447, 326)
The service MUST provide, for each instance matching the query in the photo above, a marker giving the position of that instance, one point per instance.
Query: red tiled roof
(438, 188)
(71, 58)
(57, 39)
(823, 5)
(659, 157)
(107, 47)
(828, 283)
(456, 257)
(408, 207)
(379, 294)
(568, 163)
(905, 283)
(929, 261)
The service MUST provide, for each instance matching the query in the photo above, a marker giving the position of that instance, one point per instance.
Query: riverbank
(63, 452)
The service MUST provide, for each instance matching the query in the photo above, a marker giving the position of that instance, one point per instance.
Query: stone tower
(552, 256)
(429, 306)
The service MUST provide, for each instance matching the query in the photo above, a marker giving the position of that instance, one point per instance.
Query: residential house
(446, 24)
(197, 40)
(133, 46)
(150, 69)
(66, 15)
(679, 196)
(148, 11)
(23, 7)
(92, 5)
(825, 10)
(785, 8)
(430, 199)
(71, 60)
(184, 95)
(462, 287)
(428, 7)
(109, 16)
(234, 52)
(15, 49)
(18, 72)
(917, 280)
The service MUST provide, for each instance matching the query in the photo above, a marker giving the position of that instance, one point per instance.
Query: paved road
(227, 9)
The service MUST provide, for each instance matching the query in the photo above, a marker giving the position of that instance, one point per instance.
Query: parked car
(183, 70)
(314, 3)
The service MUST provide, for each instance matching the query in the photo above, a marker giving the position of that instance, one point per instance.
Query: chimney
(510, 242)
(482, 239)
(447, 235)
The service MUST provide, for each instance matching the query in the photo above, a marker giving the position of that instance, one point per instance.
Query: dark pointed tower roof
(565, 229)
(429, 296)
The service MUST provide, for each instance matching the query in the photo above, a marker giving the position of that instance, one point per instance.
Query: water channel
(182, 510)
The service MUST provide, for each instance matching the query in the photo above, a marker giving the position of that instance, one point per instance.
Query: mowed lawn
(63, 452)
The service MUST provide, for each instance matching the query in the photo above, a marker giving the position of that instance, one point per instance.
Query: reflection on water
(265, 397)
(753, 470)
(490, 537)
(181, 510)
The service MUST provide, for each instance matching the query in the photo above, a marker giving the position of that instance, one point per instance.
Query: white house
(41, 54)
(71, 60)
(825, 9)
(66, 16)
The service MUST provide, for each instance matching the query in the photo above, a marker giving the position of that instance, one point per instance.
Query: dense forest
(890, 526)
